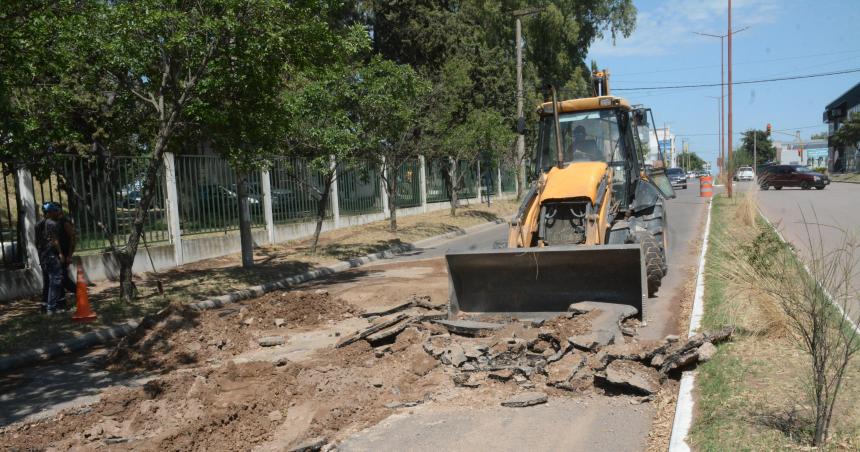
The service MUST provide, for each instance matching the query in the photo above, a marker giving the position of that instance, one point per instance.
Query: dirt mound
(339, 391)
(179, 336)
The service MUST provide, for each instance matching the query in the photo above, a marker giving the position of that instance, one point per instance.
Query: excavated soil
(181, 337)
(205, 395)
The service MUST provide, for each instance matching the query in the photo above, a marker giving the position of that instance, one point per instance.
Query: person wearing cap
(55, 244)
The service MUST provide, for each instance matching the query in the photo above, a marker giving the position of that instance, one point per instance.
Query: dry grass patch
(755, 394)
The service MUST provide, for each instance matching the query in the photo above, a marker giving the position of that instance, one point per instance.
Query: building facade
(812, 153)
(666, 141)
(842, 158)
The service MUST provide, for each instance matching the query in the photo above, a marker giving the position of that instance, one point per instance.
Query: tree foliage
(764, 150)
(848, 134)
(691, 161)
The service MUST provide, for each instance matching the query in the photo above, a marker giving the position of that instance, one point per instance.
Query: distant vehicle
(692, 174)
(677, 177)
(744, 173)
(778, 176)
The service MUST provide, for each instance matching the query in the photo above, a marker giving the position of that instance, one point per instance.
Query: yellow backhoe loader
(592, 226)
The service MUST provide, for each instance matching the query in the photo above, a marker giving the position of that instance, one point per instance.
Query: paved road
(835, 208)
(593, 423)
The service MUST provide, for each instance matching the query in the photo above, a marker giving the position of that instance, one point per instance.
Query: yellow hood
(577, 180)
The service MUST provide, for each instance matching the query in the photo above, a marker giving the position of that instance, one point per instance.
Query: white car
(745, 173)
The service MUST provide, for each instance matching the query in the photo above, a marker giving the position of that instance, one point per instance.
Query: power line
(743, 82)
(692, 68)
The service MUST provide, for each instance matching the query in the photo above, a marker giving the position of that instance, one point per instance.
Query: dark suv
(778, 176)
(678, 177)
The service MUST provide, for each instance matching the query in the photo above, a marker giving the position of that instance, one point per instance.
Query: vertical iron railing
(11, 236)
(437, 189)
(468, 171)
(209, 195)
(295, 188)
(509, 179)
(358, 189)
(409, 184)
(102, 202)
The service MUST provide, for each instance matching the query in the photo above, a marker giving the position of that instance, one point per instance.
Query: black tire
(764, 187)
(819, 188)
(778, 187)
(805, 185)
(654, 261)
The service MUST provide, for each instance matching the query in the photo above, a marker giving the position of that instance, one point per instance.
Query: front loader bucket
(544, 281)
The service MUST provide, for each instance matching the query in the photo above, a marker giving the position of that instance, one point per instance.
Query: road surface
(834, 208)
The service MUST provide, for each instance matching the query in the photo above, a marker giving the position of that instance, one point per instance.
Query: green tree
(819, 136)
(145, 77)
(848, 134)
(691, 161)
(764, 149)
(386, 97)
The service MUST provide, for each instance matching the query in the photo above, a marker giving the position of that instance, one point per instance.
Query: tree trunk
(245, 237)
(321, 206)
(391, 185)
(128, 291)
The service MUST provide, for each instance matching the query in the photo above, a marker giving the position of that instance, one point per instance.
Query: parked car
(778, 176)
(744, 173)
(677, 177)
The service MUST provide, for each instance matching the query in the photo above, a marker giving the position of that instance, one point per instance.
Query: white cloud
(662, 28)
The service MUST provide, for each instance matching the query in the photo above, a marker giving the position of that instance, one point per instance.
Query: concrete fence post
(28, 203)
(478, 179)
(268, 214)
(334, 200)
(385, 208)
(172, 202)
(499, 180)
(422, 181)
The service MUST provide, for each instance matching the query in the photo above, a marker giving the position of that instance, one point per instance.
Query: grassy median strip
(754, 394)
(22, 327)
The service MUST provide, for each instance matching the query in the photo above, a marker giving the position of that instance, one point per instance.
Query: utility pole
(723, 137)
(729, 134)
(521, 139)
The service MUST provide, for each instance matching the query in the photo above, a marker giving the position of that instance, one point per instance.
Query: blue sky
(785, 38)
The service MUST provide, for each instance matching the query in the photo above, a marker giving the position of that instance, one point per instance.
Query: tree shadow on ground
(792, 422)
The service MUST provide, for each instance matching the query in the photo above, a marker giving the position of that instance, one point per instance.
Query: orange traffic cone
(83, 313)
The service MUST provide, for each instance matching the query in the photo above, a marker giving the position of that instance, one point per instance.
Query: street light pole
(723, 137)
(719, 100)
(729, 135)
(521, 138)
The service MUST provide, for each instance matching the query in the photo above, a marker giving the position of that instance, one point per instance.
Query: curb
(112, 333)
(684, 406)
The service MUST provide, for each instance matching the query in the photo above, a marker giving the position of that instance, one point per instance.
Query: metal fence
(209, 198)
(437, 189)
(294, 190)
(358, 189)
(469, 174)
(509, 179)
(11, 242)
(101, 200)
(409, 184)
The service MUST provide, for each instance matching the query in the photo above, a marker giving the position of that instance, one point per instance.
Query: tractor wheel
(805, 185)
(654, 261)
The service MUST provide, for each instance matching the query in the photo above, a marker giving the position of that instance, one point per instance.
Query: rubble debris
(525, 399)
(681, 355)
(464, 380)
(424, 301)
(271, 341)
(593, 341)
(620, 311)
(408, 404)
(280, 322)
(372, 329)
(706, 352)
(632, 375)
(469, 327)
(501, 375)
(384, 312)
(561, 372)
(311, 445)
(387, 333)
(248, 322)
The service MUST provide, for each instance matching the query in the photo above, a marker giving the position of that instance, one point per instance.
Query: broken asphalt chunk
(271, 341)
(630, 375)
(525, 399)
(469, 327)
(311, 445)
